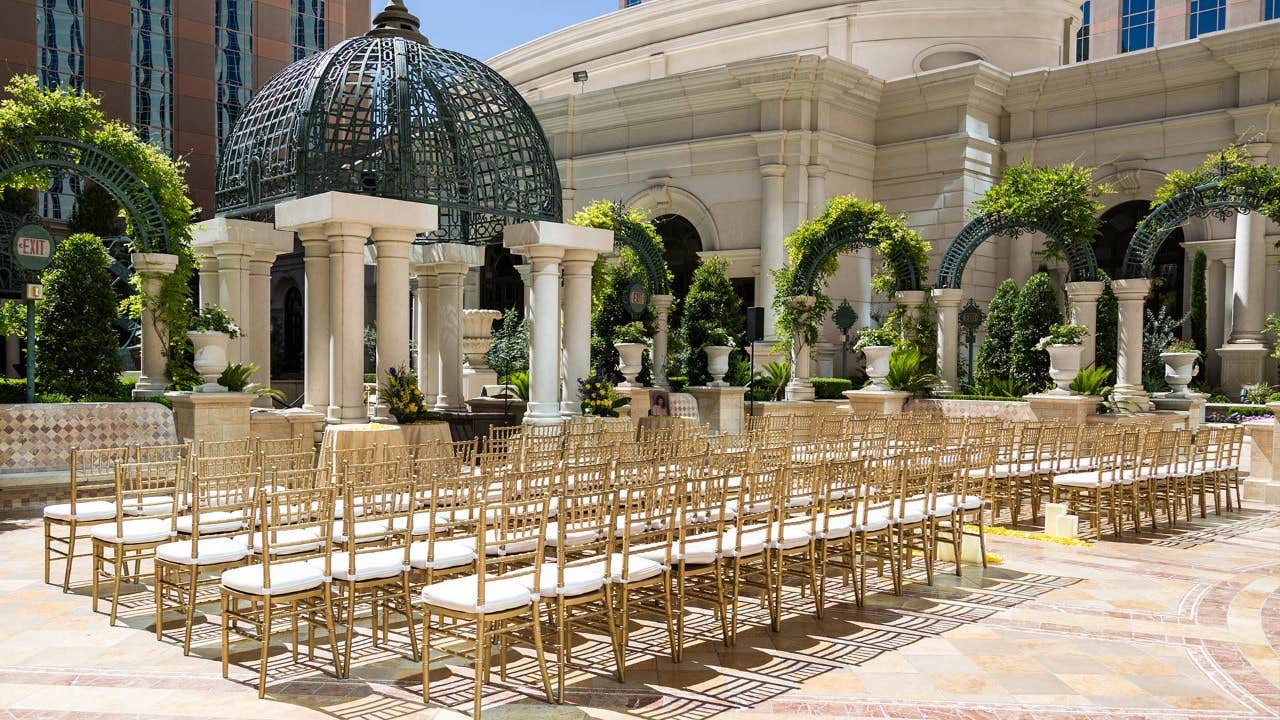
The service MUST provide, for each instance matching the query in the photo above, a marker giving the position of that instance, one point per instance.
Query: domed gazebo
(385, 138)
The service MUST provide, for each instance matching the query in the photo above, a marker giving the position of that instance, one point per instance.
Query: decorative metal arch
(1209, 199)
(627, 233)
(13, 278)
(843, 235)
(64, 155)
(1080, 258)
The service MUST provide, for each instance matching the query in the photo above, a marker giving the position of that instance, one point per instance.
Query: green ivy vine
(1235, 173)
(895, 242)
(30, 111)
(1064, 197)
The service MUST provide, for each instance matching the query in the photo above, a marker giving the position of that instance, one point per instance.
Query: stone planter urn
(1179, 368)
(630, 361)
(210, 357)
(1064, 365)
(717, 363)
(877, 365)
(478, 325)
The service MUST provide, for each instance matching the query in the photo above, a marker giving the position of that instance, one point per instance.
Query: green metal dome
(390, 115)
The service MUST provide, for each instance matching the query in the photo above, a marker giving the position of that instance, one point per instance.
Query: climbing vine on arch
(813, 256)
(1064, 198)
(30, 113)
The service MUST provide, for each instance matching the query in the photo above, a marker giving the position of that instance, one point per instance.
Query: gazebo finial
(395, 20)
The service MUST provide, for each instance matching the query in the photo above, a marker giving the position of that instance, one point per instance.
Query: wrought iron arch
(1209, 199)
(629, 234)
(848, 234)
(1081, 262)
(150, 233)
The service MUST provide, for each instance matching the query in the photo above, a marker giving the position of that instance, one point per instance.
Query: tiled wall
(39, 438)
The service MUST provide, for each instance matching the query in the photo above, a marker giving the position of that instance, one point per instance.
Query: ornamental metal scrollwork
(848, 234)
(61, 155)
(1208, 200)
(1082, 263)
(627, 233)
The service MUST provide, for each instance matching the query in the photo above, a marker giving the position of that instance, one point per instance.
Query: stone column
(428, 333)
(451, 276)
(800, 387)
(910, 299)
(1083, 297)
(153, 268)
(577, 326)
(208, 273)
(817, 190)
(346, 322)
(1130, 296)
(315, 264)
(1244, 355)
(258, 315)
(948, 302)
(392, 278)
(773, 251)
(233, 289)
(862, 285)
(525, 271)
(662, 314)
(544, 375)
(1218, 316)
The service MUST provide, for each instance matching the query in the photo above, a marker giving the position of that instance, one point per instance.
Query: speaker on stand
(755, 333)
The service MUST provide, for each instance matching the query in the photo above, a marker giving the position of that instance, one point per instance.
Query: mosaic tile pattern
(39, 438)
(1180, 625)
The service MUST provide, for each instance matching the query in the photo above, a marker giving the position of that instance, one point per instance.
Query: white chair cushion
(212, 551)
(145, 530)
(836, 526)
(367, 531)
(151, 505)
(460, 594)
(572, 536)
(493, 547)
(700, 551)
(947, 503)
(369, 565)
(637, 526)
(1081, 480)
(578, 580)
(85, 510)
(698, 516)
(216, 521)
(752, 542)
(419, 523)
(789, 535)
(448, 554)
(638, 568)
(286, 578)
(289, 536)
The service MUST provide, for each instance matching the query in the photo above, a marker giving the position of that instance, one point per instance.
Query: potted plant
(720, 344)
(402, 396)
(631, 342)
(211, 329)
(1065, 345)
(1179, 358)
(877, 345)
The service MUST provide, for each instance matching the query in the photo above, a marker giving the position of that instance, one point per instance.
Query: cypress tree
(994, 360)
(710, 305)
(1199, 303)
(1108, 328)
(1037, 312)
(77, 351)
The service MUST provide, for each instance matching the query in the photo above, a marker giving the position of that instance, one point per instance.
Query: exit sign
(33, 247)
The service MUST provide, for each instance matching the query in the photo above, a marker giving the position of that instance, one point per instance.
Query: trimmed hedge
(830, 388)
(678, 383)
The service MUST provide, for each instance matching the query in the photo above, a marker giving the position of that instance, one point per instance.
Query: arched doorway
(1117, 228)
(500, 284)
(682, 245)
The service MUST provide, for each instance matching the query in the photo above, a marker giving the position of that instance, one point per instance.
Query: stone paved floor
(1176, 625)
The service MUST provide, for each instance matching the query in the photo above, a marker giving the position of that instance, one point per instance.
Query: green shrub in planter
(77, 349)
(993, 356)
(830, 388)
(1036, 314)
(678, 383)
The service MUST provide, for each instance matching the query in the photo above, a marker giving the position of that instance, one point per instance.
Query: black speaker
(755, 324)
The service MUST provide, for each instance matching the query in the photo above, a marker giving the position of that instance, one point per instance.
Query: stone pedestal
(1263, 485)
(948, 336)
(1074, 409)
(1189, 404)
(876, 402)
(477, 338)
(285, 424)
(723, 409)
(211, 416)
(1242, 364)
(824, 360)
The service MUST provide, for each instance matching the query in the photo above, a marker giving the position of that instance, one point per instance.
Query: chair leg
(48, 548)
(266, 647)
(191, 609)
(226, 635)
(327, 600)
(159, 582)
(97, 571)
(542, 659)
(563, 640)
(426, 654)
(119, 566)
(71, 553)
(482, 653)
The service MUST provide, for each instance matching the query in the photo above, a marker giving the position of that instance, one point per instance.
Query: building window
(308, 27)
(233, 63)
(1272, 10)
(1207, 16)
(1137, 24)
(60, 59)
(632, 3)
(152, 43)
(1082, 35)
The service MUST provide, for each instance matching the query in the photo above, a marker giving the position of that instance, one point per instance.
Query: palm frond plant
(1092, 381)
(236, 378)
(771, 382)
(907, 372)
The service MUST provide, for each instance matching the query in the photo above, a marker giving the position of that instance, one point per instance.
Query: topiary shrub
(712, 311)
(610, 284)
(1108, 336)
(76, 347)
(1037, 312)
(1199, 303)
(509, 352)
(994, 359)
(830, 388)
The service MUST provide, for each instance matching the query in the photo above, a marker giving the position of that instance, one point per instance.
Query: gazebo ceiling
(388, 114)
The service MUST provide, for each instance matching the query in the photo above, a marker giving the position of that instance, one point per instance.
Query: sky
(484, 28)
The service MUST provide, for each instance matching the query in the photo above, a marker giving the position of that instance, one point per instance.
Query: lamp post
(845, 317)
(971, 318)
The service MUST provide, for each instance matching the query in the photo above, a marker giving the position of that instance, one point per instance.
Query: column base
(1131, 398)
(570, 409)
(799, 390)
(1072, 408)
(1242, 364)
(876, 402)
(543, 414)
(339, 415)
(149, 388)
(721, 408)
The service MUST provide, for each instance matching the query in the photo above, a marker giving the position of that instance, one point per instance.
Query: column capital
(773, 170)
(817, 171)
(1084, 290)
(910, 298)
(243, 237)
(154, 263)
(345, 228)
(576, 257)
(365, 210)
(450, 274)
(345, 243)
(523, 237)
(662, 303)
(1131, 288)
(948, 297)
(393, 236)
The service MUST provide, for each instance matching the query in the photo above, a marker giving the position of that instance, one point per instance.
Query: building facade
(737, 122)
(177, 70)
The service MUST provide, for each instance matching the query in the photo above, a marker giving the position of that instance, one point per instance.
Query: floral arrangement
(1063, 334)
(1178, 345)
(400, 393)
(632, 332)
(719, 336)
(878, 337)
(212, 318)
(599, 398)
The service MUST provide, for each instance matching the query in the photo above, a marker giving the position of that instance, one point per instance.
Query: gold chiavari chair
(792, 535)
(876, 528)
(220, 505)
(450, 545)
(290, 581)
(914, 509)
(704, 513)
(843, 493)
(222, 448)
(1092, 493)
(305, 460)
(961, 489)
(336, 460)
(221, 465)
(373, 473)
(744, 559)
(1229, 469)
(641, 573)
(92, 492)
(266, 452)
(141, 523)
(477, 610)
